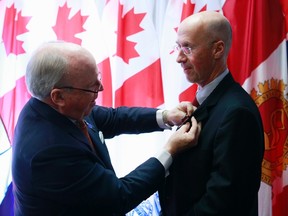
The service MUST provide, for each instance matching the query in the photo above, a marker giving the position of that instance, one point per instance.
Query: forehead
(190, 31)
(187, 36)
(82, 67)
(82, 60)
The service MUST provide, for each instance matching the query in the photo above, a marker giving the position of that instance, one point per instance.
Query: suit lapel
(67, 126)
(99, 144)
(202, 112)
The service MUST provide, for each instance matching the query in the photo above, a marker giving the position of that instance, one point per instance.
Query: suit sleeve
(72, 179)
(124, 120)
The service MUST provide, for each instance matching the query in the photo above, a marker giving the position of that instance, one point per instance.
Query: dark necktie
(81, 124)
(195, 102)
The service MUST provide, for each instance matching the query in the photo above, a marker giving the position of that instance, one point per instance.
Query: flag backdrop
(132, 42)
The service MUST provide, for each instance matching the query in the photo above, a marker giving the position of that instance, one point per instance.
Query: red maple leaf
(127, 25)
(14, 25)
(66, 28)
(188, 9)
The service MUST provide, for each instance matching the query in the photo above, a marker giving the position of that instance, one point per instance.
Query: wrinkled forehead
(81, 65)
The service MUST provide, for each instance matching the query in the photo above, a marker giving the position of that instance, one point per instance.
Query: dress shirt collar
(203, 93)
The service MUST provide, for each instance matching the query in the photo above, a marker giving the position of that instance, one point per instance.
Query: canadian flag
(136, 81)
(134, 50)
(13, 92)
(258, 61)
(132, 42)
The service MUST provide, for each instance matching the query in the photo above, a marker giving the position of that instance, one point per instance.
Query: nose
(181, 57)
(101, 87)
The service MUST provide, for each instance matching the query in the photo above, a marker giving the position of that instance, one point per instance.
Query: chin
(189, 79)
(88, 111)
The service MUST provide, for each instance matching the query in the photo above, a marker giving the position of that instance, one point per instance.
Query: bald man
(221, 175)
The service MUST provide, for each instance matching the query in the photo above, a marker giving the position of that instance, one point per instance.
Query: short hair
(45, 69)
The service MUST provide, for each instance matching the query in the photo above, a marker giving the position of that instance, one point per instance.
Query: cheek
(200, 63)
(86, 105)
(196, 65)
(80, 104)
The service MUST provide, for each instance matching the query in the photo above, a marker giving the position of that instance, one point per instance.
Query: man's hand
(184, 138)
(179, 114)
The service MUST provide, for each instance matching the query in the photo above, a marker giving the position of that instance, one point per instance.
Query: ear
(57, 97)
(219, 47)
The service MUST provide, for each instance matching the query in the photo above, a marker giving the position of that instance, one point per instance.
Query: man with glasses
(221, 175)
(59, 168)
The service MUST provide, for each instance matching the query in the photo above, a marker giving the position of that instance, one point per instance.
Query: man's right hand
(184, 138)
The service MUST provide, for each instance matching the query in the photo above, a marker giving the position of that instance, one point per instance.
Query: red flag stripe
(256, 34)
(11, 104)
(105, 97)
(142, 89)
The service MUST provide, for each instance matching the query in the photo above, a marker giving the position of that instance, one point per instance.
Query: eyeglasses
(186, 50)
(81, 89)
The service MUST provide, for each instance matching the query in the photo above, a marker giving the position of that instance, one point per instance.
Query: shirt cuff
(160, 121)
(165, 159)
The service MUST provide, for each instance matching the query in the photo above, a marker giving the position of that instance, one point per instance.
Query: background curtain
(132, 42)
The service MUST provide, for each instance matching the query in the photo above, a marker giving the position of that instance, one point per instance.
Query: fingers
(186, 137)
(190, 110)
(187, 107)
(180, 114)
(194, 125)
(198, 126)
(193, 128)
(185, 127)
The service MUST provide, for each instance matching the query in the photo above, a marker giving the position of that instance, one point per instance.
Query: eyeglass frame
(81, 89)
(85, 90)
(179, 48)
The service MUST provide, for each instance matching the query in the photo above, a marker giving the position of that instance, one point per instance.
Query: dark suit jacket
(55, 171)
(221, 175)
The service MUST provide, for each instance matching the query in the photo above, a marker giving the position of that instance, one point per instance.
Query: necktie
(195, 102)
(83, 127)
